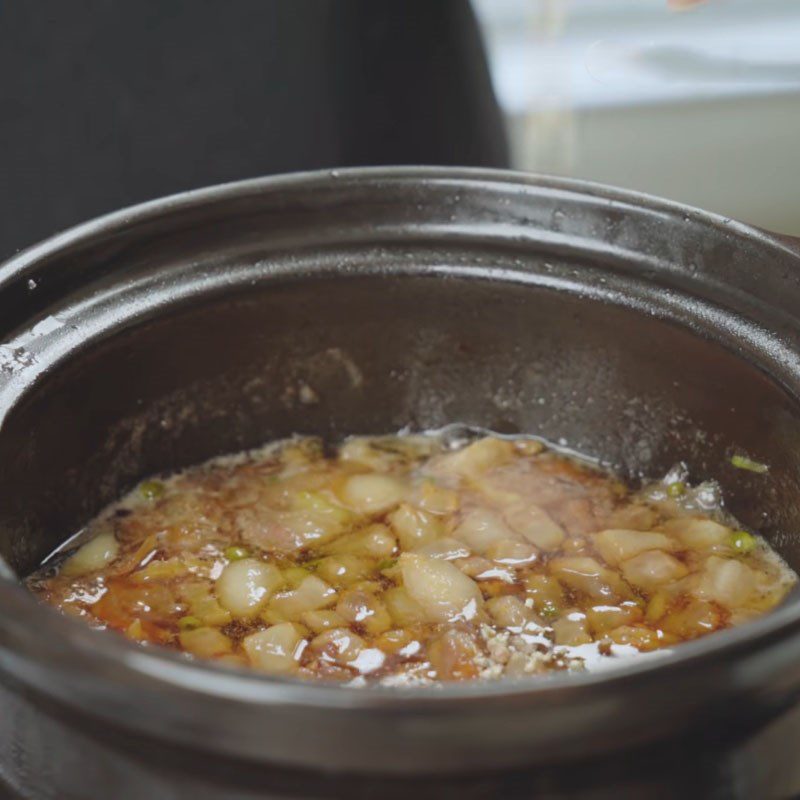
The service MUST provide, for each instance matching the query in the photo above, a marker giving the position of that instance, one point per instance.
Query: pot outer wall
(591, 263)
(44, 755)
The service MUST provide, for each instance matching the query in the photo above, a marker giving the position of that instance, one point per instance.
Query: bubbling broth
(411, 560)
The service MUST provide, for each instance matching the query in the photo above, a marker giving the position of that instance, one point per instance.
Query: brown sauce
(408, 560)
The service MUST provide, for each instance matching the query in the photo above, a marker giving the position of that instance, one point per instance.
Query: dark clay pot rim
(112, 658)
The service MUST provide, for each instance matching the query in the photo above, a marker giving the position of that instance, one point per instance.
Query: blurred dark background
(111, 102)
(105, 103)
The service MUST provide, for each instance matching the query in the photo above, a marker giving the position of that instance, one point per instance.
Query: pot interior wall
(370, 352)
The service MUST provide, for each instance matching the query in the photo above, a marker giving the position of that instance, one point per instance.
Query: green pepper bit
(743, 462)
(236, 553)
(387, 564)
(151, 490)
(189, 623)
(743, 542)
(676, 489)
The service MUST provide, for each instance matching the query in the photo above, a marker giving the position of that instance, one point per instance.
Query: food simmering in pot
(408, 560)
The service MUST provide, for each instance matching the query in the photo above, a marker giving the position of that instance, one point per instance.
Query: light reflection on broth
(409, 560)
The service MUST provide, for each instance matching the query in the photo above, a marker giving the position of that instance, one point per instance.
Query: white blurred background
(700, 105)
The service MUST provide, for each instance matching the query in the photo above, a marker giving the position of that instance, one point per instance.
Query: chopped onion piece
(445, 548)
(697, 533)
(339, 645)
(616, 545)
(311, 594)
(536, 525)
(727, 580)
(652, 569)
(481, 528)
(205, 642)
(245, 586)
(92, 556)
(443, 591)
(414, 527)
(571, 630)
(372, 493)
(275, 650)
(508, 611)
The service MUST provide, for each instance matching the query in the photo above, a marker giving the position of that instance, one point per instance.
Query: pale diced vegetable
(374, 541)
(616, 545)
(296, 574)
(275, 650)
(636, 517)
(546, 594)
(602, 618)
(312, 594)
(404, 610)
(211, 612)
(474, 565)
(445, 548)
(535, 525)
(339, 645)
(165, 570)
(508, 611)
(378, 542)
(657, 606)
(398, 639)
(697, 533)
(444, 592)
(726, 580)
(135, 631)
(571, 630)
(203, 605)
(96, 554)
(205, 642)
(476, 458)
(344, 570)
(481, 528)
(653, 569)
(364, 609)
(528, 447)
(245, 586)
(696, 618)
(414, 527)
(310, 528)
(437, 499)
(285, 532)
(586, 575)
(318, 621)
(371, 493)
(361, 450)
(321, 506)
(453, 655)
(638, 636)
(512, 552)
